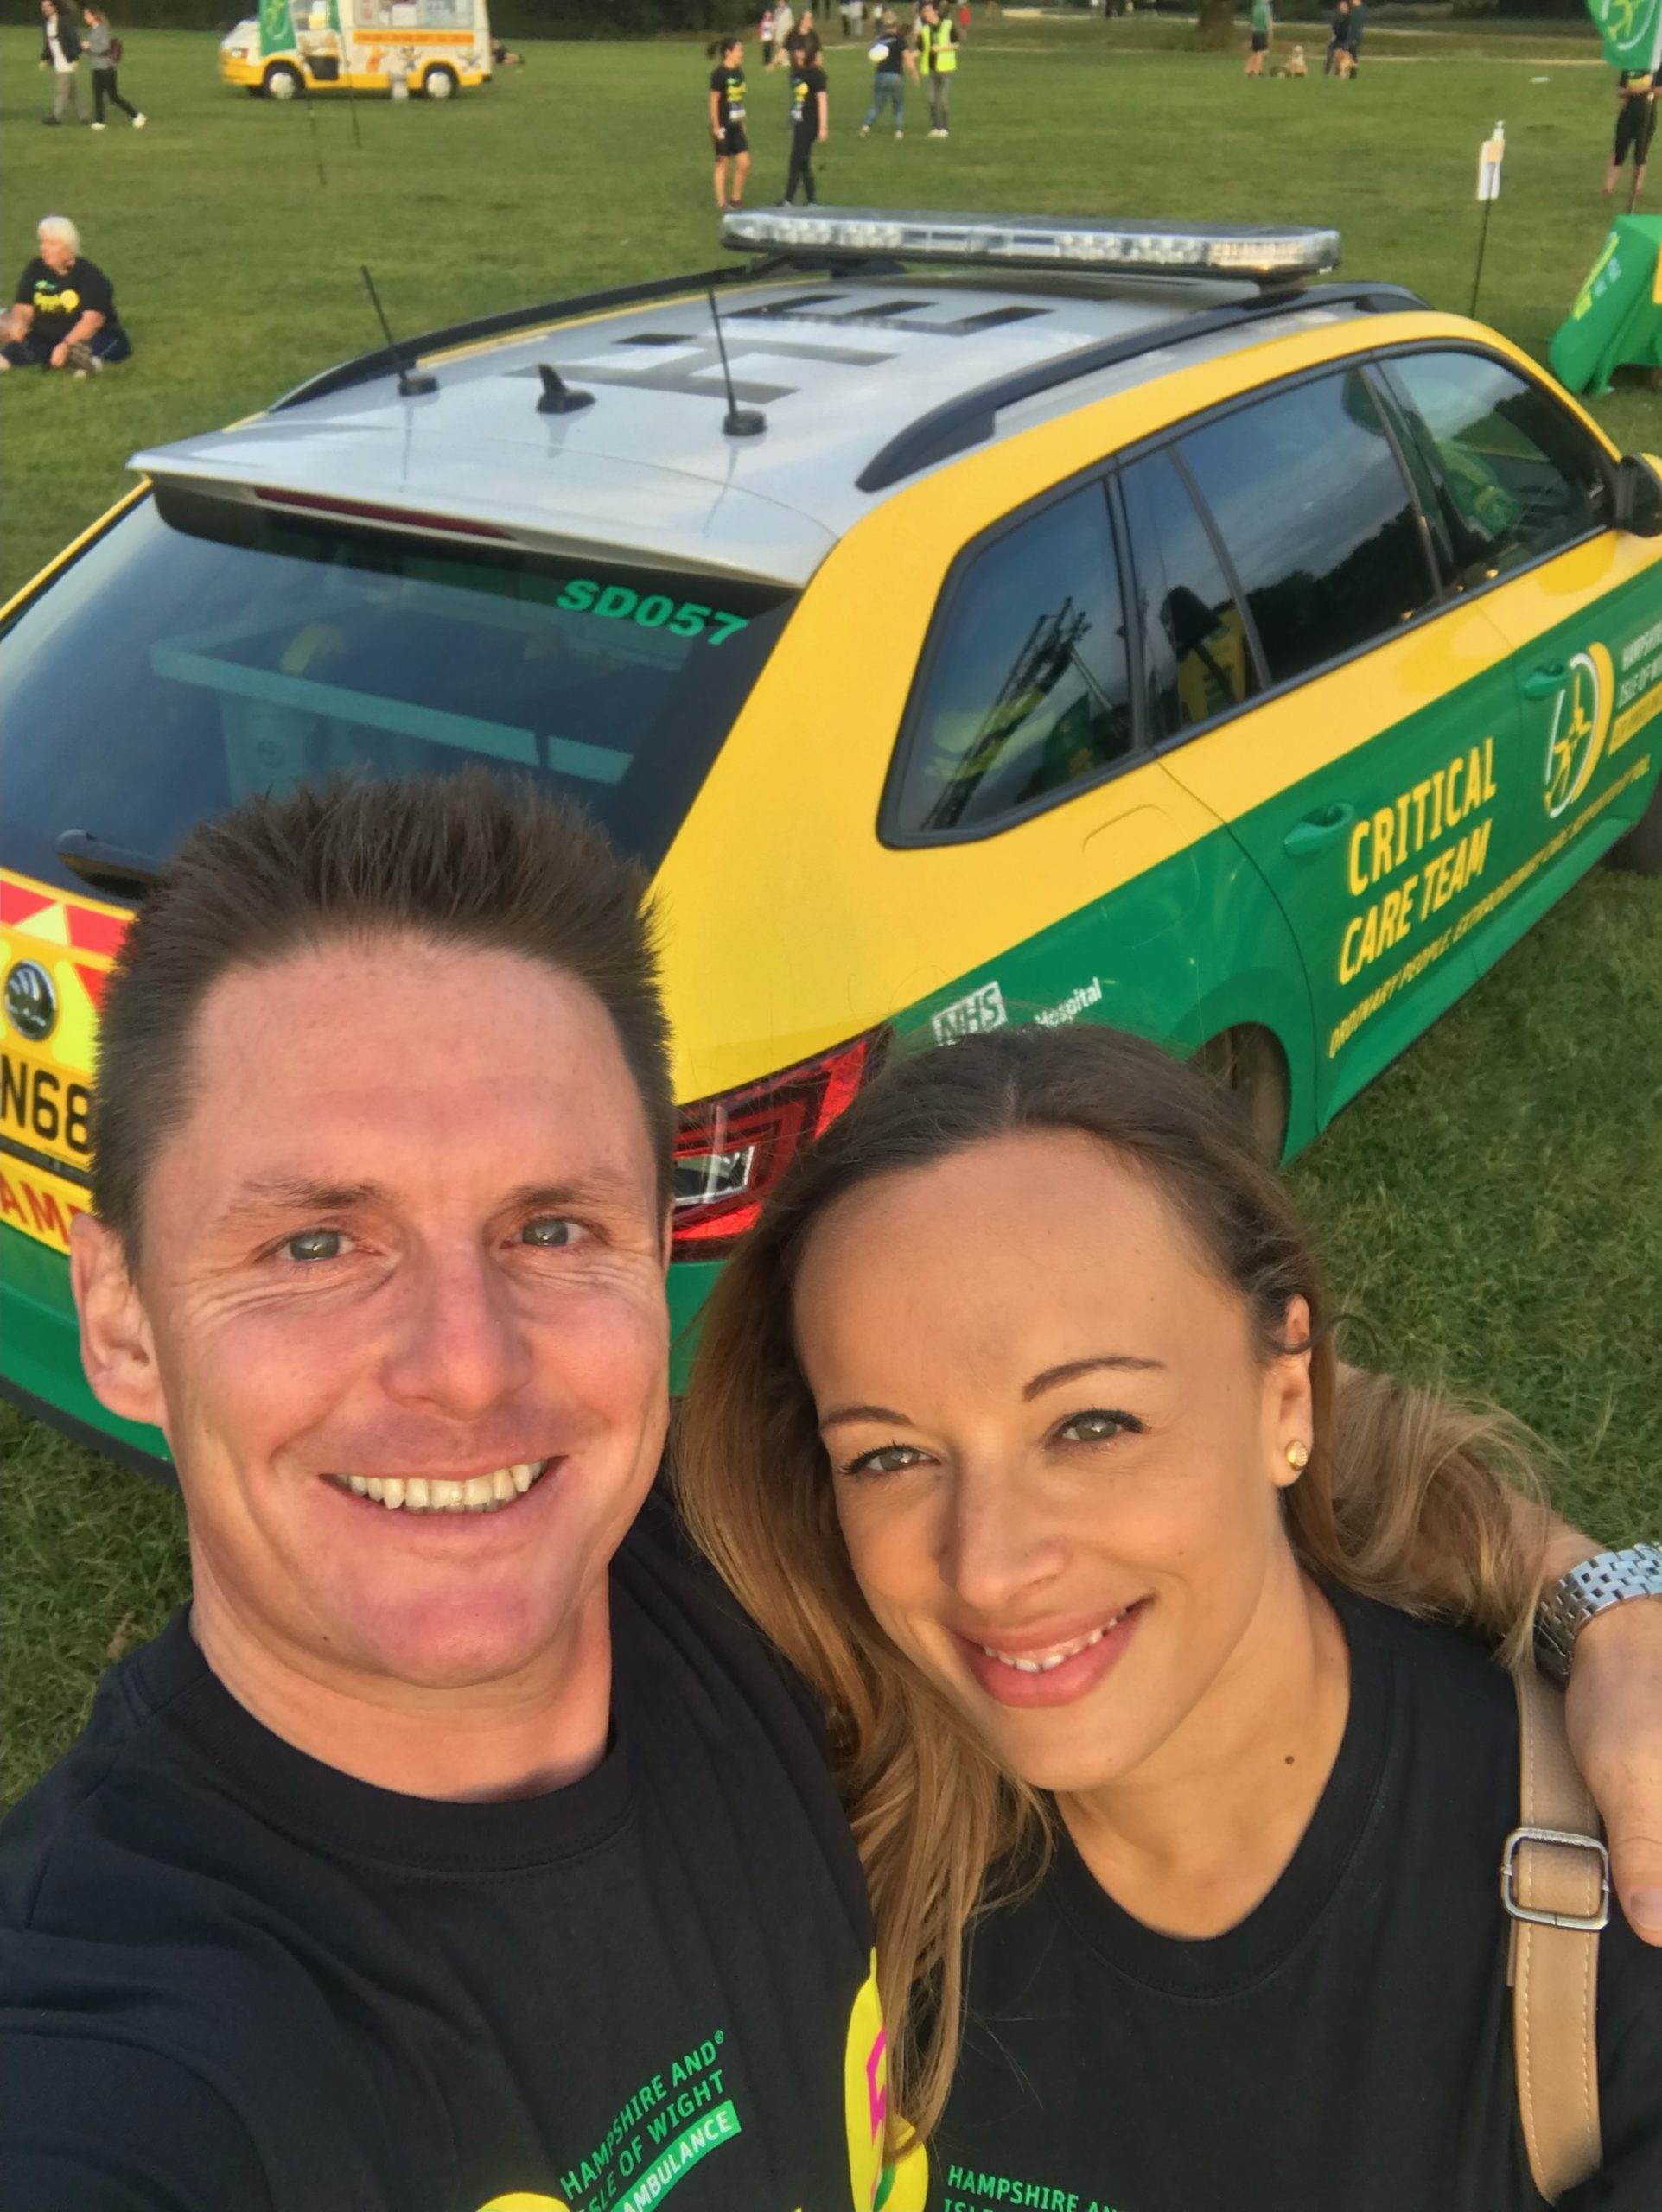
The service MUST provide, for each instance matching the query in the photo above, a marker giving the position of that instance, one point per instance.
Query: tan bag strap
(1554, 1882)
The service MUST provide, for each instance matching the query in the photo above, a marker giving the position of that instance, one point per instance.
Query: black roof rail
(970, 418)
(384, 362)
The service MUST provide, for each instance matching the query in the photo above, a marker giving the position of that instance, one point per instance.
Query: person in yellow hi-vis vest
(939, 40)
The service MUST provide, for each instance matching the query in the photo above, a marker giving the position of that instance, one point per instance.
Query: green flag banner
(1631, 30)
(277, 27)
(1617, 317)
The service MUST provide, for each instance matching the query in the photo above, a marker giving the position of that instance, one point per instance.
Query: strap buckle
(1585, 1924)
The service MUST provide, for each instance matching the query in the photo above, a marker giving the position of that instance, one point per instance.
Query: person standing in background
(105, 51)
(893, 54)
(60, 54)
(939, 39)
(810, 114)
(1262, 26)
(727, 120)
(1636, 98)
(1354, 31)
(1338, 39)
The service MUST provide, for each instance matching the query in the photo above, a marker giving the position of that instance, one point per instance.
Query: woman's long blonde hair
(1408, 1497)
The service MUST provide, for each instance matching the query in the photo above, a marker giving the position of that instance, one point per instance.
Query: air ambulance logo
(1581, 723)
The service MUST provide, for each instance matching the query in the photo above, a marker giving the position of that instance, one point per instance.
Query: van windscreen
(191, 657)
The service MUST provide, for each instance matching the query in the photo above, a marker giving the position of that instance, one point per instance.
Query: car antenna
(558, 396)
(411, 382)
(741, 421)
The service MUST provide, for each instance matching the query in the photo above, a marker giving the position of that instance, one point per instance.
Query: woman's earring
(1298, 1456)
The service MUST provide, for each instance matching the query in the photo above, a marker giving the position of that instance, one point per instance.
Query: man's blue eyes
(314, 1244)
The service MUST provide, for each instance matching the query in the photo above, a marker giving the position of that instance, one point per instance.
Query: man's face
(407, 1241)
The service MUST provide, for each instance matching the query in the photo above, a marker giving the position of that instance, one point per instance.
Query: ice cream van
(431, 47)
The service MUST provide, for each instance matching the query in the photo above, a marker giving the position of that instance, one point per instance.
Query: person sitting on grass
(63, 314)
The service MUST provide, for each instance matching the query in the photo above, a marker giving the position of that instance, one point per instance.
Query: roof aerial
(1265, 252)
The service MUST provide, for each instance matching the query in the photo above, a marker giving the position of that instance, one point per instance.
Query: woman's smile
(1023, 1669)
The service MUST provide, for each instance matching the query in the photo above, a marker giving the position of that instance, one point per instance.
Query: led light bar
(1253, 250)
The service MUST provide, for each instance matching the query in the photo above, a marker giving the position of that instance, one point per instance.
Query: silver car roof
(838, 365)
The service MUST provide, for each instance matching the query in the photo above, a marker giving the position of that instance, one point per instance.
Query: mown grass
(1494, 1203)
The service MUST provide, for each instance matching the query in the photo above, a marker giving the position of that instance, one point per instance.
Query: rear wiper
(107, 867)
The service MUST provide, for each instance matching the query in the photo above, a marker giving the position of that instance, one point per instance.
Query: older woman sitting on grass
(63, 314)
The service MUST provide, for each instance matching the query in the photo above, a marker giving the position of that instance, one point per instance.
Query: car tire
(440, 83)
(1639, 853)
(282, 83)
(1249, 1066)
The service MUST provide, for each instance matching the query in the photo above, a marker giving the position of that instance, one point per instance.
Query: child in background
(727, 120)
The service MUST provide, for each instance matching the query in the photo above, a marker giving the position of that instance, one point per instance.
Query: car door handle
(1319, 830)
(1542, 683)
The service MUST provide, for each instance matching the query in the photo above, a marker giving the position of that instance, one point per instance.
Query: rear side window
(1028, 692)
(1517, 476)
(1316, 517)
(1196, 660)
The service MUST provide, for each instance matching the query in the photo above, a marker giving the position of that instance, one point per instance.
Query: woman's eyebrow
(885, 1413)
(1071, 1370)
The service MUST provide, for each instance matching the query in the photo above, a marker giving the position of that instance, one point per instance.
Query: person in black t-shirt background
(1033, 1347)
(727, 120)
(63, 313)
(810, 121)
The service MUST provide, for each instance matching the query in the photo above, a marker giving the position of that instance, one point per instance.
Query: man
(61, 52)
(1338, 41)
(63, 314)
(938, 44)
(1353, 28)
(461, 1842)
(460, 1850)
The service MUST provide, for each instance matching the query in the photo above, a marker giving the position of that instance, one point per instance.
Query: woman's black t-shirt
(233, 1980)
(1347, 2047)
(59, 302)
(807, 84)
(728, 85)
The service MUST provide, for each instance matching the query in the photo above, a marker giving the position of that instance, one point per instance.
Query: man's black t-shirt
(233, 1980)
(59, 302)
(807, 84)
(1347, 2047)
(728, 85)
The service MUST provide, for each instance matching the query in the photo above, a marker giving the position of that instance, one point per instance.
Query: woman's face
(1057, 1450)
(57, 252)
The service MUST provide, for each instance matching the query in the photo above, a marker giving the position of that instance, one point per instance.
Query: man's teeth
(479, 1494)
(1041, 1662)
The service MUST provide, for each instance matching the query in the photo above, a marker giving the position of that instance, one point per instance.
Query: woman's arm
(86, 325)
(715, 113)
(820, 101)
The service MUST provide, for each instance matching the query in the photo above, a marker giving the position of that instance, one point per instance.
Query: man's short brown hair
(472, 860)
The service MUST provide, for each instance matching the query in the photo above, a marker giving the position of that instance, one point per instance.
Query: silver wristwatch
(1568, 1604)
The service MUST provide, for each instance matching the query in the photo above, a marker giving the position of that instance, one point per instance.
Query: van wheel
(282, 83)
(439, 84)
(1249, 1065)
(1640, 851)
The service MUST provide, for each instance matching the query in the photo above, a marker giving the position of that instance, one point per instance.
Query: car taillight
(734, 1147)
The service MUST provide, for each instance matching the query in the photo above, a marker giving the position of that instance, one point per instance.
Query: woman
(1014, 1423)
(105, 48)
(63, 313)
(891, 52)
(810, 120)
(727, 120)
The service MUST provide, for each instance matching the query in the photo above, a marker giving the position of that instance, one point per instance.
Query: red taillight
(734, 1147)
(314, 502)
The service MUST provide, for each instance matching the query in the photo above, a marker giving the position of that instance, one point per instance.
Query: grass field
(1494, 1204)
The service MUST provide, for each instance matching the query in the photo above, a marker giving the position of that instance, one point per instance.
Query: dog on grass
(1292, 67)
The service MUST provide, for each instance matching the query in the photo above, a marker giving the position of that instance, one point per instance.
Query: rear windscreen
(189, 660)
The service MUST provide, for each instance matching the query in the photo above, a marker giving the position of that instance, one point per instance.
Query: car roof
(839, 365)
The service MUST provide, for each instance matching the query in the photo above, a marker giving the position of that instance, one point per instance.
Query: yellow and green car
(966, 620)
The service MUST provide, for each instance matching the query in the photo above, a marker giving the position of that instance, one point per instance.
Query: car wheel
(1640, 851)
(1249, 1065)
(282, 83)
(439, 84)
